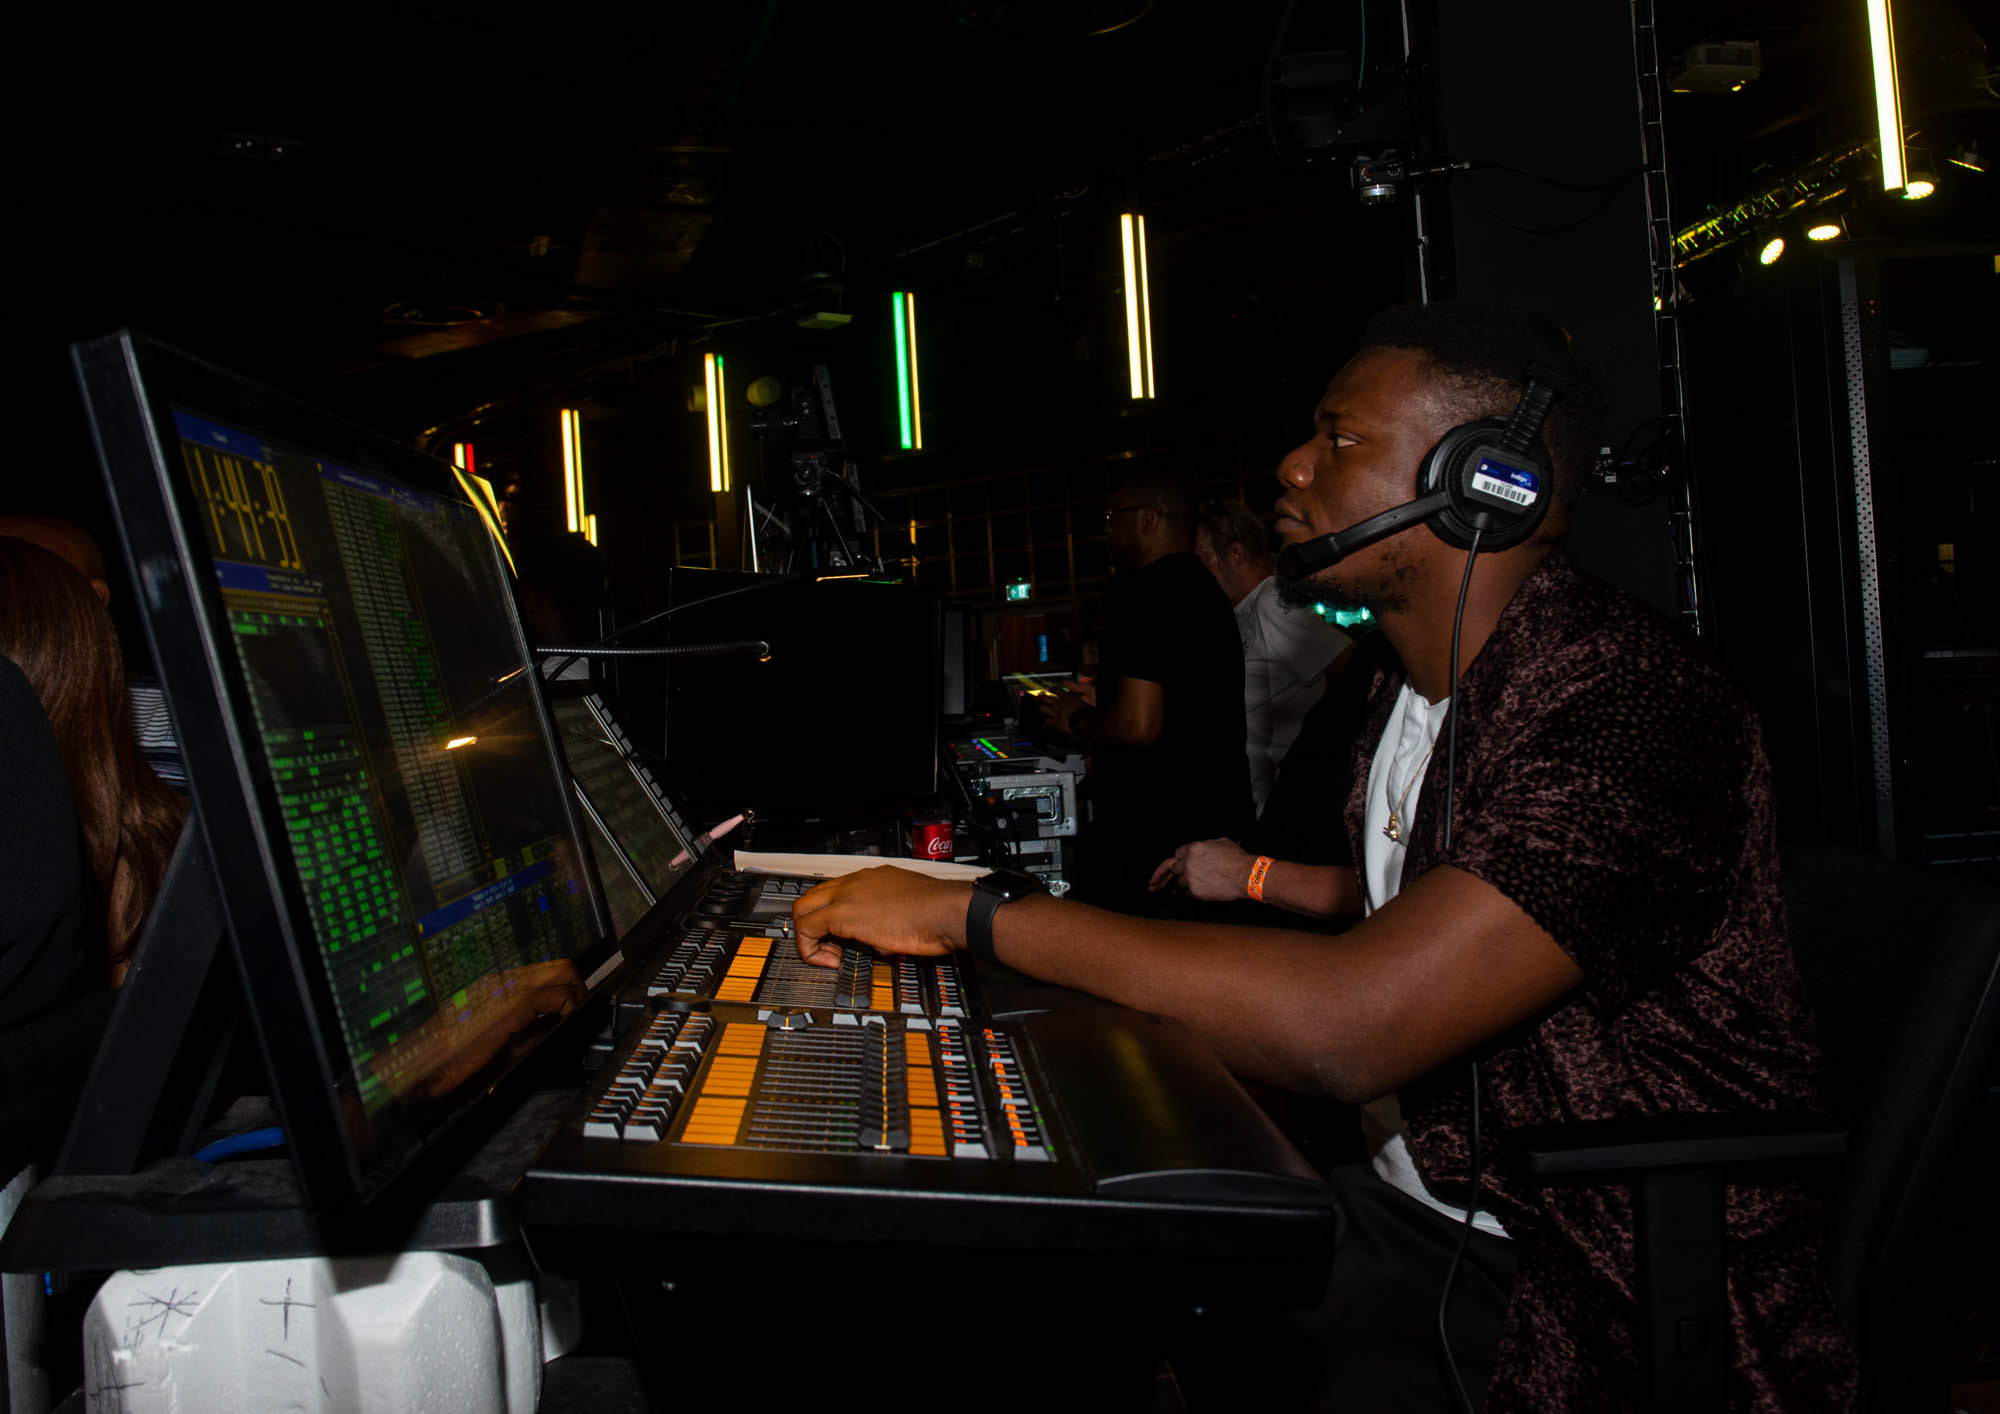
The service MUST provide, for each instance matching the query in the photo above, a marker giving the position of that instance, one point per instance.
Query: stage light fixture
(1920, 174)
(1824, 231)
(1138, 304)
(1773, 248)
(718, 422)
(1888, 98)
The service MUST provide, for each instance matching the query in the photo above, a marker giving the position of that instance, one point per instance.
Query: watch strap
(979, 923)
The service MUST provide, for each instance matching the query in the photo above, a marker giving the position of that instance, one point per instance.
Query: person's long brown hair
(54, 627)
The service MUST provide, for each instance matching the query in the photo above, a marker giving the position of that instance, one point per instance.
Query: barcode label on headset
(1512, 484)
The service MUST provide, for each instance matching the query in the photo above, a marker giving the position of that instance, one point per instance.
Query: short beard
(1382, 593)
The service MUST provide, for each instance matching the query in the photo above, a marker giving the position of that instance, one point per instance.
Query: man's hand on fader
(890, 909)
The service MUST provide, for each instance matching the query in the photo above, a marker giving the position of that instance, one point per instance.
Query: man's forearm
(1265, 1021)
(1447, 964)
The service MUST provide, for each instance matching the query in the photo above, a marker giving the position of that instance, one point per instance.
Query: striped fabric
(155, 730)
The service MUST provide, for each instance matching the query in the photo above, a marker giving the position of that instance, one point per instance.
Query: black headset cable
(1458, 1391)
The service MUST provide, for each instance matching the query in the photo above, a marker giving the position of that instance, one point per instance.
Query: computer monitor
(372, 765)
(638, 836)
(843, 718)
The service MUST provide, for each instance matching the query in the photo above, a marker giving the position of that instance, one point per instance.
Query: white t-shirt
(1396, 779)
(1286, 651)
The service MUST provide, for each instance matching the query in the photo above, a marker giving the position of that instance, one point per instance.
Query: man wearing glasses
(1166, 736)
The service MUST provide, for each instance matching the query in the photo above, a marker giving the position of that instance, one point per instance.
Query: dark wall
(1550, 90)
(1778, 503)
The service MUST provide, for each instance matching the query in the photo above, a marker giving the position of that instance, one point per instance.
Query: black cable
(754, 647)
(1361, 65)
(1270, 73)
(1610, 194)
(1545, 180)
(1472, 1205)
(618, 633)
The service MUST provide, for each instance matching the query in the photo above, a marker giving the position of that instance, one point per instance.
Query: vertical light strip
(572, 512)
(713, 391)
(916, 383)
(1145, 309)
(721, 406)
(902, 371)
(1888, 102)
(1133, 349)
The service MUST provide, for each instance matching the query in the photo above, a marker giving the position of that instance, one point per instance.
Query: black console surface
(896, 1110)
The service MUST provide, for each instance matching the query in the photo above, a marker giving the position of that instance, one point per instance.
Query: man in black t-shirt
(1166, 735)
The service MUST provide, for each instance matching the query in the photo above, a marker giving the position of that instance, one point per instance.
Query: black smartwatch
(989, 891)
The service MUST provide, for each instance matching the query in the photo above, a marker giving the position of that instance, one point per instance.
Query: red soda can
(930, 839)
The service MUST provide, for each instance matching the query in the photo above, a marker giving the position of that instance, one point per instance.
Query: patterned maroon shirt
(1614, 786)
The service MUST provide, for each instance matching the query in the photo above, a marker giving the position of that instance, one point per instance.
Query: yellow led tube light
(718, 423)
(1131, 306)
(1888, 102)
(916, 384)
(572, 483)
(1138, 313)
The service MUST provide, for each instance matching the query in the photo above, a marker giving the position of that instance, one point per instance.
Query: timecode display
(244, 504)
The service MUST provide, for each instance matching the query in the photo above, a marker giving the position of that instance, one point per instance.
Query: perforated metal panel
(1853, 336)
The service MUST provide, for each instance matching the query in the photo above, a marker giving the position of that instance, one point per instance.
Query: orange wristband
(1258, 870)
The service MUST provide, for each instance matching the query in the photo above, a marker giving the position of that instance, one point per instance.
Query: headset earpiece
(1495, 474)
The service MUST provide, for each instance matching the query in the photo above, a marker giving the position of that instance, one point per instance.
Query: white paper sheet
(832, 866)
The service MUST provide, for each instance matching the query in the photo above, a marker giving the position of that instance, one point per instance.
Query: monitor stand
(123, 1191)
(148, 1088)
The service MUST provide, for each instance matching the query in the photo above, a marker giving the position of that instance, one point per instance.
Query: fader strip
(788, 1083)
(696, 959)
(641, 1099)
(1017, 1104)
(711, 962)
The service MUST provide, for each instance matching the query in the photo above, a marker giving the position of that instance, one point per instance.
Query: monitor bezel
(592, 697)
(131, 386)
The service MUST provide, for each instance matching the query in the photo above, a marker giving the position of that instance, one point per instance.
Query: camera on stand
(820, 522)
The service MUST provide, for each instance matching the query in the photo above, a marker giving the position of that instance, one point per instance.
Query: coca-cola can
(930, 839)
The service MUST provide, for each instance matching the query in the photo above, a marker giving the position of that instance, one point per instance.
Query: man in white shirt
(1288, 650)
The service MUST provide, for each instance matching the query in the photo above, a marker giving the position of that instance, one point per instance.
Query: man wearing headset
(1588, 906)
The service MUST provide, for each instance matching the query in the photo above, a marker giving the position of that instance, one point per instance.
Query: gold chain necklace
(1394, 829)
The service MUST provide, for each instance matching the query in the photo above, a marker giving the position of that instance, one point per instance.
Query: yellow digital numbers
(281, 519)
(198, 473)
(236, 512)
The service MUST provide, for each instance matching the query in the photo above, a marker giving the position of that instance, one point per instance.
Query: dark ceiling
(429, 212)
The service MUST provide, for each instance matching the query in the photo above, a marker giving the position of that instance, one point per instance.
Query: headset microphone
(1311, 556)
(1492, 477)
